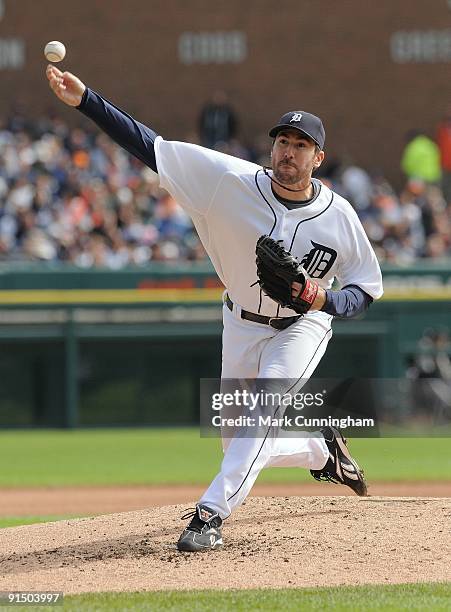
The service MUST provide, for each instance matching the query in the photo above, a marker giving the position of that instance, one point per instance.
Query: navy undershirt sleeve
(133, 136)
(346, 303)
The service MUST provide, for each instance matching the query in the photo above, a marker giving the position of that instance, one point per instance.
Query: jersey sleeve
(134, 137)
(192, 174)
(358, 264)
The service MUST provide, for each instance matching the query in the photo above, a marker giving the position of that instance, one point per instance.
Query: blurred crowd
(70, 194)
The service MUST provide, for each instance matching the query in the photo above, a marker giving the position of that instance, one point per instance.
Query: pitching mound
(270, 542)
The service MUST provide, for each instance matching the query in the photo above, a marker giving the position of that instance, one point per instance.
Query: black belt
(276, 322)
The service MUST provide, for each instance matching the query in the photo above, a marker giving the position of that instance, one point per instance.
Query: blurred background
(109, 308)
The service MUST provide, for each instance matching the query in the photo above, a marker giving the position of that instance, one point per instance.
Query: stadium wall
(93, 348)
(372, 70)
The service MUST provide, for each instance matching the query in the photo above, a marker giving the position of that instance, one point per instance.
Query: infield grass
(430, 597)
(15, 521)
(169, 456)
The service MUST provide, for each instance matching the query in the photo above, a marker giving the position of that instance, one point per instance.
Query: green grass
(394, 598)
(159, 456)
(15, 521)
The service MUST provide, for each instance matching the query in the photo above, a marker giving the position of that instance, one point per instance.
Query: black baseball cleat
(203, 532)
(340, 467)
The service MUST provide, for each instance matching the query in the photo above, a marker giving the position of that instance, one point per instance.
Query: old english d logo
(319, 260)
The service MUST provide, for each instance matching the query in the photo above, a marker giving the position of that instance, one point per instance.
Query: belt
(276, 322)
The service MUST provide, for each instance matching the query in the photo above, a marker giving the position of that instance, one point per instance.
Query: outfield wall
(126, 348)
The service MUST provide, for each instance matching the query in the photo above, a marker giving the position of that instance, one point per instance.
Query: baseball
(54, 51)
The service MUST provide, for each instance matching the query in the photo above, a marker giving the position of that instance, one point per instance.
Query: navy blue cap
(309, 124)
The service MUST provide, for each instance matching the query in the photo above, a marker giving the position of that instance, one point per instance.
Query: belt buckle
(271, 319)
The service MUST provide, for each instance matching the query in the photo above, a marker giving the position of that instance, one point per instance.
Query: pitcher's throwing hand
(65, 85)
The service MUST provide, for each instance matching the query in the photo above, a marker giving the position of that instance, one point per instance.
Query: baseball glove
(277, 270)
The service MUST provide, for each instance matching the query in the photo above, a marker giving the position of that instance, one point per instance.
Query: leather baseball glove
(277, 270)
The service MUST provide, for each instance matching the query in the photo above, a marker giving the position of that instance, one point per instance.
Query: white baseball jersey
(232, 204)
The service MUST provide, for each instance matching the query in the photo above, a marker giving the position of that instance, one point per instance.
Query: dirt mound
(269, 542)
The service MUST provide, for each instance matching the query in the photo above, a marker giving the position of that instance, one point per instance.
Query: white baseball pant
(255, 351)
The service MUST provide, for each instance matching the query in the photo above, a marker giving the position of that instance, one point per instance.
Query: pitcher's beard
(284, 184)
(285, 178)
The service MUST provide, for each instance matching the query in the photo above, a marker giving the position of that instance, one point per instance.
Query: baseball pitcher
(278, 239)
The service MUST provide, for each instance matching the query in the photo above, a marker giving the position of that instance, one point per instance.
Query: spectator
(421, 158)
(171, 220)
(357, 187)
(217, 122)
